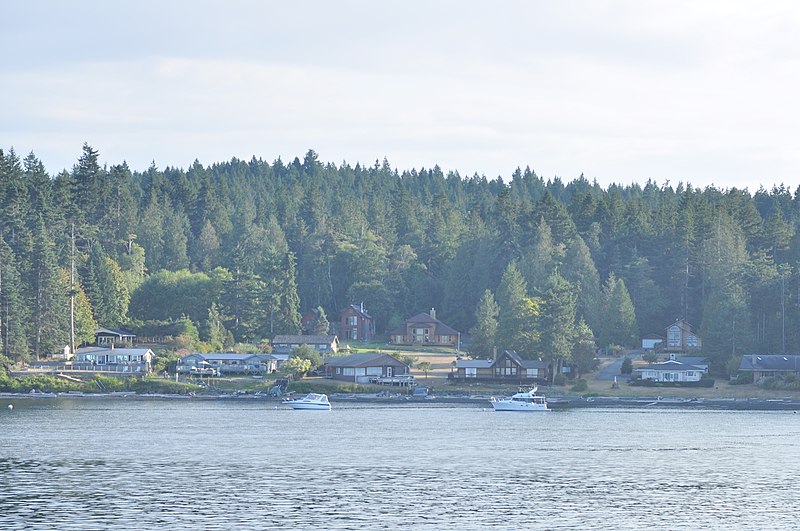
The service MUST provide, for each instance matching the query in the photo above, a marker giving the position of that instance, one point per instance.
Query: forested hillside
(534, 264)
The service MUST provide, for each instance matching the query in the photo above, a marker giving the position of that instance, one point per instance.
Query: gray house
(362, 367)
(322, 344)
(116, 360)
(508, 366)
(765, 366)
(227, 363)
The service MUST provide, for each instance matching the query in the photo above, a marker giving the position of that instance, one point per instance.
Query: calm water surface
(120, 464)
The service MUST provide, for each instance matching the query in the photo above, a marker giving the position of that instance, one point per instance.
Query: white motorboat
(311, 401)
(522, 401)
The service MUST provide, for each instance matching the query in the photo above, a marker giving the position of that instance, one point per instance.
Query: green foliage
(406, 359)
(484, 333)
(787, 382)
(742, 378)
(626, 367)
(559, 379)
(297, 367)
(261, 240)
(307, 352)
(650, 356)
(580, 386)
(424, 366)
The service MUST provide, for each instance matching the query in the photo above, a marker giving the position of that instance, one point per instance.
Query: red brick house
(356, 324)
(425, 329)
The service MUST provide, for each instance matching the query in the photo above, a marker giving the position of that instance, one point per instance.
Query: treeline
(237, 250)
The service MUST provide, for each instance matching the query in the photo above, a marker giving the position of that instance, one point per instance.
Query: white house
(101, 359)
(227, 363)
(671, 371)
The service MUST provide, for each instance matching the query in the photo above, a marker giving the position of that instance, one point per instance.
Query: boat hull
(507, 406)
(318, 407)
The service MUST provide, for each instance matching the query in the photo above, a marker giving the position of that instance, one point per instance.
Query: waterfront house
(356, 324)
(671, 371)
(105, 337)
(508, 366)
(425, 329)
(114, 360)
(227, 363)
(680, 338)
(322, 344)
(766, 366)
(361, 368)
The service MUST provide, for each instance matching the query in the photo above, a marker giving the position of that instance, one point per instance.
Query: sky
(620, 91)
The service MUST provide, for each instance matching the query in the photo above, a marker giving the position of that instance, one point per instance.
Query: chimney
(362, 306)
(433, 313)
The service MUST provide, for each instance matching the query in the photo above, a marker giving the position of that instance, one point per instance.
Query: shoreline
(555, 403)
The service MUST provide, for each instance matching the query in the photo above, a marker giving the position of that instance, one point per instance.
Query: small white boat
(311, 401)
(522, 401)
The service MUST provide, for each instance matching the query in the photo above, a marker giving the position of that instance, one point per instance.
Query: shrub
(650, 356)
(627, 366)
(560, 379)
(743, 378)
(580, 386)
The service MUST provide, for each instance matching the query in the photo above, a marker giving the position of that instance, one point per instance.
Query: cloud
(622, 91)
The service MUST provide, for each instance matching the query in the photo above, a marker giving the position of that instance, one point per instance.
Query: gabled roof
(368, 359)
(474, 364)
(439, 328)
(114, 331)
(773, 362)
(359, 311)
(304, 340)
(670, 365)
(525, 364)
(693, 360)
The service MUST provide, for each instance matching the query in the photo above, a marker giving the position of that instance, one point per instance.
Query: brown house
(680, 338)
(425, 329)
(356, 324)
(508, 367)
(361, 367)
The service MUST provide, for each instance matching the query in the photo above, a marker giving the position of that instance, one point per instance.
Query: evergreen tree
(619, 325)
(558, 322)
(517, 327)
(320, 325)
(14, 312)
(483, 335)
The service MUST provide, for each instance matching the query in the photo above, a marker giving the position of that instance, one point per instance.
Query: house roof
(104, 350)
(364, 360)
(671, 365)
(114, 331)
(223, 356)
(305, 339)
(439, 328)
(474, 364)
(697, 361)
(525, 364)
(772, 362)
(356, 308)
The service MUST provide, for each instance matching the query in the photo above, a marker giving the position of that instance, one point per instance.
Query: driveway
(608, 372)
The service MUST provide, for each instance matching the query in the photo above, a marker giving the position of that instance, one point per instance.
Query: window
(471, 372)
(444, 339)
(374, 371)
(674, 336)
(506, 368)
(532, 373)
(348, 371)
(352, 320)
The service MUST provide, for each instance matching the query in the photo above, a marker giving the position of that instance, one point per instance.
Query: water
(125, 464)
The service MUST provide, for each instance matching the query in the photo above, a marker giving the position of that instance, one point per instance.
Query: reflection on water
(95, 464)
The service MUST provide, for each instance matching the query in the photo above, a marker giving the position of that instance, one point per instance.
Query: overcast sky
(700, 92)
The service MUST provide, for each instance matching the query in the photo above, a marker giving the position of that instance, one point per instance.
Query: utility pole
(72, 292)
